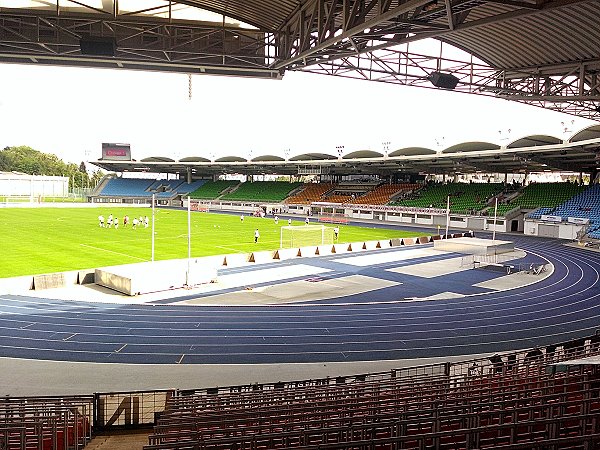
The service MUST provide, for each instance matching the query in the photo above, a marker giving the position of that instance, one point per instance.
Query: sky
(71, 111)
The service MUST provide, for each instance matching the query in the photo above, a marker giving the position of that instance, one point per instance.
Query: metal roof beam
(493, 19)
(408, 6)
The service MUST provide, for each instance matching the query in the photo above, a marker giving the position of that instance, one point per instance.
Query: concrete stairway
(120, 440)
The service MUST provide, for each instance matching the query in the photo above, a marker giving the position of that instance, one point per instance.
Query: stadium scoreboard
(116, 152)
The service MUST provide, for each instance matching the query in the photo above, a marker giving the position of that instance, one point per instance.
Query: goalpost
(195, 205)
(305, 235)
(333, 217)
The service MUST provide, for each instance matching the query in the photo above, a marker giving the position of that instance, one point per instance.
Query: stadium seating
(382, 194)
(311, 192)
(170, 188)
(340, 198)
(509, 401)
(262, 191)
(538, 195)
(139, 187)
(127, 187)
(464, 197)
(45, 423)
(212, 189)
(586, 205)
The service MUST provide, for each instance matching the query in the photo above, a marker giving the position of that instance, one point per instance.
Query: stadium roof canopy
(533, 153)
(544, 52)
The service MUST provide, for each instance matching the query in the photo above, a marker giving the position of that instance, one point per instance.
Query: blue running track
(372, 326)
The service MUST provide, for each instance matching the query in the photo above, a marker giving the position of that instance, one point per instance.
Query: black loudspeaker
(98, 46)
(443, 80)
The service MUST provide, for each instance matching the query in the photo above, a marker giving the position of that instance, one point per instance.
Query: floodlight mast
(495, 220)
(153, 196)
(447, 217)
(189, 236)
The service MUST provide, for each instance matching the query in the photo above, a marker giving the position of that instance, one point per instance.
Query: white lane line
(116, 253)
(124, 345)
(73, 335)
(181, 359)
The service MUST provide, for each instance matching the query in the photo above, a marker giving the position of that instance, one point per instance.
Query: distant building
(15, 184)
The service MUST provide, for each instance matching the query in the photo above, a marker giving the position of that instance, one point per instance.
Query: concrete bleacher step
(120, 440)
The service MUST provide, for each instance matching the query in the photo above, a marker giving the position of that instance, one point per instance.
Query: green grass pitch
(44, 240)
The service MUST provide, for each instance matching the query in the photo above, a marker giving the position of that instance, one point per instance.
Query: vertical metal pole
(153, 226)
(447, 217)
(189, 241)
(495, 220)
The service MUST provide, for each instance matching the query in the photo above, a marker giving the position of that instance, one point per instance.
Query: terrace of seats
(586, 204)
(139, 187)
(170, 188)
(465, 198)
(382, 194)
(45, 423)
(212, 189)
(262, 191)
(508, 401)
(349, 191)
(311, 192)
(127, 187)
(536, 195)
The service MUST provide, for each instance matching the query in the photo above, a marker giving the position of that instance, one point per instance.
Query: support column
(188, 175)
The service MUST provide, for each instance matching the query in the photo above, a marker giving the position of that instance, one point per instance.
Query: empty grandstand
(516, 400)
(464, 197)
(262, 191)
(382, 194)
(536, 195)
(311, 192)
(213, 189)
(63, 422)
(585, 205)
(129, 190)
(544, 397)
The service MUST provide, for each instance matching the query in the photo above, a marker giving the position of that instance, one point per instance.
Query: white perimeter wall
(565, 230)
